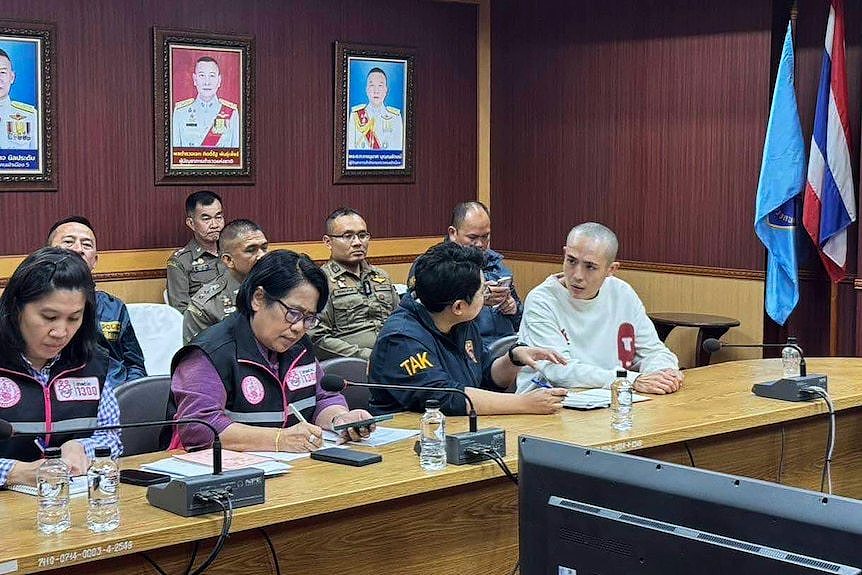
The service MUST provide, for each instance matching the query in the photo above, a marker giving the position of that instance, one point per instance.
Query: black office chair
(502, 345)
(144, 399)
(351, 369)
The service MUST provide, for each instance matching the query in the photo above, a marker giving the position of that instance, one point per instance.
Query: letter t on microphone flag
(782, 176)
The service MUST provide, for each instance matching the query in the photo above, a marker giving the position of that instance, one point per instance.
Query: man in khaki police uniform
(241, 244)
(197, 263)
(361, 296)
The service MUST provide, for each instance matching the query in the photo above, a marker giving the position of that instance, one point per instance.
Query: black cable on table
(271, 550)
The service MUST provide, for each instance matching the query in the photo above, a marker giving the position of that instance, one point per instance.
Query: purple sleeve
(200, 394)
(325, 398)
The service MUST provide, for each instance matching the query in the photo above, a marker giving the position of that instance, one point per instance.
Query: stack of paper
(594, 399)
(77, 487)
(200, 463)
(380, 436)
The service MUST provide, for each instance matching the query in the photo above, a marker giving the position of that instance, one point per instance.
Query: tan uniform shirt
(189, 268)
(357, 308)
(210, 305)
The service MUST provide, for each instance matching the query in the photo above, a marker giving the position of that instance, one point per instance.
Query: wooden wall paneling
(105, 127)
(646, 116)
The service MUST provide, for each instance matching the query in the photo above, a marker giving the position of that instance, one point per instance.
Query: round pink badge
(252, 389)
(10, 393)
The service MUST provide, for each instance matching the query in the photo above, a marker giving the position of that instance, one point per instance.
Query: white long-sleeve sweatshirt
(591, 334)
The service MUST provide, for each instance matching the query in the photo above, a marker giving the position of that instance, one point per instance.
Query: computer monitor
(584, 511)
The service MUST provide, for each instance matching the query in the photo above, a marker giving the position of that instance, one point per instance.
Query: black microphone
(787, 388)
(712, 345)
(337, 384)
(460, 447)
(245, 486)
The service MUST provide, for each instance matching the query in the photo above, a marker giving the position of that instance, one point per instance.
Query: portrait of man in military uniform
(206, 109)
(20, 114)
(376, 114)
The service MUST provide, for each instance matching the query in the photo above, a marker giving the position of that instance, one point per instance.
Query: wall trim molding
(130, 265)
(682, 269)
(685, 269)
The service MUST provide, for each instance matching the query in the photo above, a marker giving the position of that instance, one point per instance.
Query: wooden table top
(693, 319)
(714, 400)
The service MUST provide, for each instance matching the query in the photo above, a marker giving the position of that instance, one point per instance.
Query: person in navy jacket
(432, 341)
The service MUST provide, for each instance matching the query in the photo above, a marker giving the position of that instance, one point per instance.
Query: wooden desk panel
(323, 517)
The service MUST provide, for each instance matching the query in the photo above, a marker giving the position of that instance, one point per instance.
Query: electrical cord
(495, 456)
(271, 550)
(690, 454)
(826, 476)
(222, 499)
(194, 556)
(155, 565)
(781, 457)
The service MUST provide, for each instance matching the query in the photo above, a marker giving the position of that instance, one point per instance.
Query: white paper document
(380, 436)
(594, 399)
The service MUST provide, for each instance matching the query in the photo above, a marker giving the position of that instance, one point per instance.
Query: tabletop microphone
(460, 447)
(245, 486)
(787, 388)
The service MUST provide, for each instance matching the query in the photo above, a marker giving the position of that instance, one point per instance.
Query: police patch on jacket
(468, 347)
(416, 363)
(110, 329)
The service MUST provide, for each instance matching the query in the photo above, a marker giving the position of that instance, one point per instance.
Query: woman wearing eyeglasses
(52, 372)
(250, 374)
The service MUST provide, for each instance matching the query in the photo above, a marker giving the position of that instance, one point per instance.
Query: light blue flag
(782, 177)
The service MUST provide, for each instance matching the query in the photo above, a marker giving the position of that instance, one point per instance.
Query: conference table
(393, 517)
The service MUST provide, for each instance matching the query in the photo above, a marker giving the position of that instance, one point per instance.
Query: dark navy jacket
(410, 350)
(492, 324)
(117, 336)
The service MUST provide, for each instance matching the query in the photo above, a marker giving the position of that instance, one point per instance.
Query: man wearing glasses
(501, 316)
(361, 295)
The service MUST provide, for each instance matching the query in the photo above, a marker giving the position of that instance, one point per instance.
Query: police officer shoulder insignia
(110, 329)
(206, 293)
(394, 111)
(468, 347)
(25, 107)
(183, 103)
(227, 103)
(358, 108)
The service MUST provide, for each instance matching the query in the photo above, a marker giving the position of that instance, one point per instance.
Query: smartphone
(363, 423)
(141, 477)
(346, 456)
(505, 281)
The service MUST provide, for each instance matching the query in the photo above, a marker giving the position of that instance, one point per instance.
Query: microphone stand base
(457, 445)
(790, 388)
(246, 487)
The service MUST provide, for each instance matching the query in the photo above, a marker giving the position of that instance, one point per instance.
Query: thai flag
(829, 206)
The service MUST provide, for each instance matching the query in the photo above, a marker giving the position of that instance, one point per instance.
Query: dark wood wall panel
(647, 116)
(105, 113)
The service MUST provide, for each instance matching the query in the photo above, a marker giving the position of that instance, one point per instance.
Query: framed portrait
(204, 107)
(374, 118)
(28, 157)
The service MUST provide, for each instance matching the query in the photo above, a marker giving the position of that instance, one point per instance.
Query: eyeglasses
(293, 315)
(348, 236)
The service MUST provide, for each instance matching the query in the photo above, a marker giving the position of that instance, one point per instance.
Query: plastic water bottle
(790, 359)
(103, 480)
(621, 402)
(52, 492)
(432, 429)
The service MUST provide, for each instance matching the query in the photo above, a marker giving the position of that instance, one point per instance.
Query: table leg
(702, 357)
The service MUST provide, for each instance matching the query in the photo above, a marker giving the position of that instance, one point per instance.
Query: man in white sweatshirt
(596, 321)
